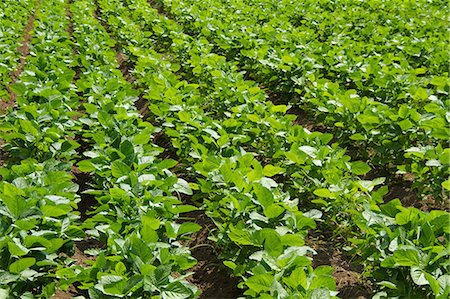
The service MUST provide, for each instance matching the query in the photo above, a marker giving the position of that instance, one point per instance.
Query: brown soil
(70, 293)
(306, 121)
(159, 7)
(210, 275)
(401, 187)
(125, 65)
(24, 50)
(81, 259)
(348, 275)
(88, 201)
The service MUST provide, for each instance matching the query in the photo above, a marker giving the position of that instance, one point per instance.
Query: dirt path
(210, 275)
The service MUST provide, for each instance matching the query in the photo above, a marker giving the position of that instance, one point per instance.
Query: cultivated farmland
(213, 149)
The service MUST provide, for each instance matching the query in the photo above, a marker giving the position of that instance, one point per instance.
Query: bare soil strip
(210, 275)
(348, 274)
(24, 51)
(84, 182)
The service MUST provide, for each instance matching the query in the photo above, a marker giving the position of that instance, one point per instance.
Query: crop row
(13, 18)
(39, 222)
(381, 89)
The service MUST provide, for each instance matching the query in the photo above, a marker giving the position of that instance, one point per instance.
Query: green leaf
(188, 228)
(183, 187)
(270, 170)
(273, 211)
(406, 216)
(434, 284)
(405, 124)
(28, 127)
(324, 193)
(120, 169)
(297, 278)
(151, 222)
(406, 257)
(176, 290)
(21, 265)
(272, 242)
(55, 211)
(427, 236)
(86, 166)
(279, 108)
(113, 284)
(263, 194)
(230, 264)
(127, 148)
(160, 277)
(445, 156)
(184, 116)
(240, 236)
(357, 137)
(260, 283)
(368, 119)
(418, 276)
(142, 138)
(360, 168)
(446, 184)
(17, 249)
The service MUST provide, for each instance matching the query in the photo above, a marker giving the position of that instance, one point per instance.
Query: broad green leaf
(21, 265)
(405, 124)
(183, 187)
(272, 242)
(17, 249)
(240, 236)
(55, 211)
(434, 284)
(263, 194)
(446, 184)
(324, 193)
(406, 216)
(270, 170)
(360, 168)
(160, 277)
(406, 257)
(86, 166)
(357, 137)
(176, 290)
(120, 169)
(127, 148)
(188, 228)
(418, 276)
(367, 119)
(260, 283)
(427, 236)
(273, 211)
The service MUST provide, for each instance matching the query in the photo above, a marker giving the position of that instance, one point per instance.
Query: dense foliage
(84, 163)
